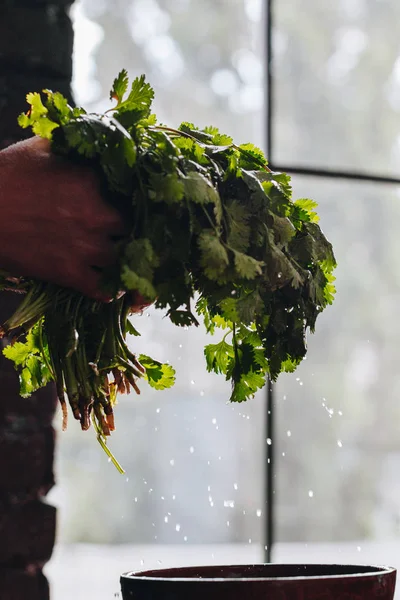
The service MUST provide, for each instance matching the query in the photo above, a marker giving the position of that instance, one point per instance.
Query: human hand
(55, 224)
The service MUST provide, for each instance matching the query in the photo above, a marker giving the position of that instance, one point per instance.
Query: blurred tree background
(194, 465)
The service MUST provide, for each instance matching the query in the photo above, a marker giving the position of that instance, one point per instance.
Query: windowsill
(85, 571)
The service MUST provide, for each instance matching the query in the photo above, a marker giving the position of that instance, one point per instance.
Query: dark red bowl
(262, 582)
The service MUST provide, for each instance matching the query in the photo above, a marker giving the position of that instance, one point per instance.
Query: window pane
(338, 442)
(337, 84)
(194, 465)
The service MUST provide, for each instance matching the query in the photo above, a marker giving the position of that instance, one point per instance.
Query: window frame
(292, 169)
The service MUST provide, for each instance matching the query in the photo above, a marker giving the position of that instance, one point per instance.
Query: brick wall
(35, 53)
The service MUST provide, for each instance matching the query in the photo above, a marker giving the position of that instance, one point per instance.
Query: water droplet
(269, 441)
(127, 479)
(158, 410)
(229, 503)
(235, 486)
(259, 512)
(227, 523)
(202, 393)
(166, 519)
(173, 496)
(159, 562)
(142, 562)
(283, 454)
(339, 443)
(210, 498)
(219, 457)
(310, 494)
(177, 527)
(135, 499)
(192, 381)
(185, 538)
(284, 397)
(301, 383)
(249, 540)
(214, 421)
(185, 328)
(180, 345)
(109, 460)
(297, 378)
(233, 293)
(191, 449)
(155, 428)
(358, 548)
(162, 498)
(172, 462)
(288, 433)
(340, 413)
(279, 275)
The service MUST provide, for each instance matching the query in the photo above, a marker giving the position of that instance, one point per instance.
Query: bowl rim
(376, 571)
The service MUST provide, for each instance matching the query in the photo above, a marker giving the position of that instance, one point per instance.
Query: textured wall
(35, 53)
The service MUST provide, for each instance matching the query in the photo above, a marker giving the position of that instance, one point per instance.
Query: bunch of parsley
(214, 234)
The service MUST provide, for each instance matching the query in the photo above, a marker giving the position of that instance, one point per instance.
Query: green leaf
(36, 117)
(229, 309)
(284, 182)
(129, 151)
(140, 97)
(239, 230)
(246, 266)
(120, 86)
(133, 281)
(192, 150)
(307, 205)
(130, 329)
(168, 188)
(31, 365)
(199, 189)
(251, 157)
(58, 108)
(214, 257)
(218, 356)
(329, 290)
(160, 376)
(247, 386)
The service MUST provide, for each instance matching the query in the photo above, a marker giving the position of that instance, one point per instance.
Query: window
(194, 485)
(335, 110)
